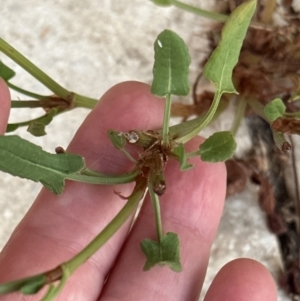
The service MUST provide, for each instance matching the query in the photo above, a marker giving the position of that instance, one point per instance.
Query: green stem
(27, 104)
(70, 266)
(79, 102)
(110, 229)
(126, 153)
(239, 115)
(53, 291)
(58, 90)
(47, 103)
(203, 121)
(84, 102)
(104, 179)
(257, 107)
(157, 213)
(25, 92)
(216, 16)
(167, 115)
(89, 172)
(13, 126)
(292, 114)
(33, 70)
(178, 131)
(200, 12)
(193, 154)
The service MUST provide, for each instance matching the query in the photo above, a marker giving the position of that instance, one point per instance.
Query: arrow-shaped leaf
(220, 65)
(37, 127)
(24, 159)
(171, 66)
(117, 139)
(165, 252)
(274, 109)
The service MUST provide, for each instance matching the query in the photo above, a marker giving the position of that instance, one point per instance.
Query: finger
(191, 207)
(242, 280)
(4, 105)
(58, 227)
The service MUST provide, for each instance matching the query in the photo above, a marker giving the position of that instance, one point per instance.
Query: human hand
(58, 227)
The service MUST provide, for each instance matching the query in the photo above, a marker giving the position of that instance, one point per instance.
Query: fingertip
(4, 105)
(132, 100)
(242, 280)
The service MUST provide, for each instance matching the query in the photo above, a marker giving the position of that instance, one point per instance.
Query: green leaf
(274, 109)
(28, 285)
(165, 252)
(33, 285)
(5, 72)
(162, 2)
(180, 153)
(171, 66)
(220, 65)
(37, 127)
(27, 160)
(218, 147)
(11, 127)
(117, 139)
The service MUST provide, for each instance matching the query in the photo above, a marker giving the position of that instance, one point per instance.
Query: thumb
(4, 105)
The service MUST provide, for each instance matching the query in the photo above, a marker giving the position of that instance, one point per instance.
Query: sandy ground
(89, 46)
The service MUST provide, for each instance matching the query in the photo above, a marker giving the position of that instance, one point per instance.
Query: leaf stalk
(203, 121)
(33, 69)
(167, 115)
(25, 92)
(239, 115)
(200, 12)
(111, 228)
(157, 212)
(92, 178)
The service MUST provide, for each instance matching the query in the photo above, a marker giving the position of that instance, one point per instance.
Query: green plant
(170, 78)
(268, 87)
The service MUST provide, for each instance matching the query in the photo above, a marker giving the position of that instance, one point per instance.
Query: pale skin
(57, 227)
